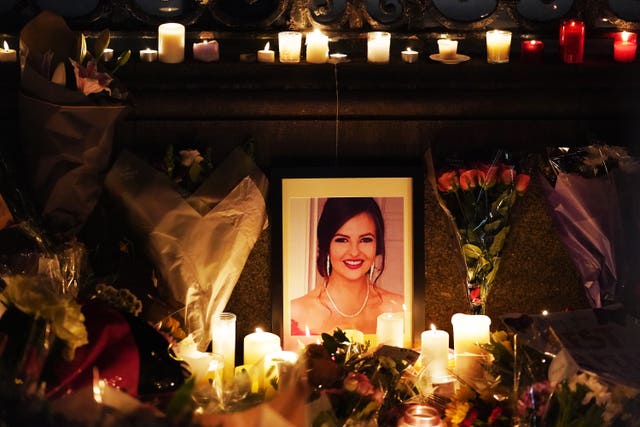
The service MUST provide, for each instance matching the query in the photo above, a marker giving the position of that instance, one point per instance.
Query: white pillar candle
(289, 45)
(258, 344)
(317, 47)
(6, 54)
(469, 331)
(223, 334)
(206, 51)
(355, 336)
(409, 56)
(448, 49)
(498, 45)
(266, 54)
(107, 54)
(148, 55)
(378, 45)
(171, 43)
(435, 353)
(390, 329)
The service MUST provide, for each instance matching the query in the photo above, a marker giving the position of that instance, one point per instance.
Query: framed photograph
(348, 252)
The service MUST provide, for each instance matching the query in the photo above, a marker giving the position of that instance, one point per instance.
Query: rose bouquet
(479, 198)
(69, 106)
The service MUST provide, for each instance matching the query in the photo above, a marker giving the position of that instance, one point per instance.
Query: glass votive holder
(448, 49)
(317, 47)
(531, 51)
(148, 55)
(571, 41)
(289, 45)
(378, 46)
(498, 46)
(624, 46)
(171, 43)
(416, 415)
(223, 336)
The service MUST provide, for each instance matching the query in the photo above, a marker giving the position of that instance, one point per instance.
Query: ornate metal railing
(336, 15)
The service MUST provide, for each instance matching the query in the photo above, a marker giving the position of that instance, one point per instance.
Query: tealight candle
(435, 353)
(317, 47)
(148, 55)
(390, 329)
(378, 44)
(531, 51)
(107, 54)
(223, 335)
(336, 58)
(498, 45)
(571, 41)
(266, 54)
(6, 54)
(289, 44)
(171, 43)
(207, 51)
(448, 49)
(409, 56)
(624, 46)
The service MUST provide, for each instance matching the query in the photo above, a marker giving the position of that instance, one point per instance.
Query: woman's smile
(352, 249)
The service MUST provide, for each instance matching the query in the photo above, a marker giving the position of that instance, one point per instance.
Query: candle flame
(267, 46)
(259, 330)
(433, 327)
(545, 313)
(6, 46)
(624, 36)
(404, 307)
(409, 49)
(307, 331)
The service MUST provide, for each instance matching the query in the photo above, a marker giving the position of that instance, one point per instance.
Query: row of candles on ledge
(263, 350)
(171, 47)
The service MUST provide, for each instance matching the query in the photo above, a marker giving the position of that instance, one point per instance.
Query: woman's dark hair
(335, 213)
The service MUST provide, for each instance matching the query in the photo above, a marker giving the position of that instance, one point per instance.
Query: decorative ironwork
(249, 14)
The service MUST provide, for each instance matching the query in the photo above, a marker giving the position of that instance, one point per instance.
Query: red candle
(572, 41)
(624, 46)
(531, 51)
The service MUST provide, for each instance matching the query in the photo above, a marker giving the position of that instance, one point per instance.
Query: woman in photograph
(350, 259)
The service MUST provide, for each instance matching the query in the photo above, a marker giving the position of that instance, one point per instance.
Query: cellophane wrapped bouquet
(479, 195)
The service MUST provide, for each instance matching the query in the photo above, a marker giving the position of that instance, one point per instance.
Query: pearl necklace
(342, 313)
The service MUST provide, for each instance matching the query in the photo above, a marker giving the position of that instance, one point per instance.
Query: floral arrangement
(479, 197)
(364, 388)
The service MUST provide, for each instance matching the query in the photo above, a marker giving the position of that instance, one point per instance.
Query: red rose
(522, 182)
(495, 414)
(471, 417)
(468, 179)
(447, 182)
(507, 176)
(487, 176)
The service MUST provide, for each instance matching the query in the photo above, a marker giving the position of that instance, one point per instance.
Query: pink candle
(572, 41)
(624, 47)
(207, 51)
(531, 51)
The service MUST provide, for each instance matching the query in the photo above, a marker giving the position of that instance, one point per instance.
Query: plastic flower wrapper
(363, 387)
(69, 106)
(594, 196)
(478, 196)
(198, 244)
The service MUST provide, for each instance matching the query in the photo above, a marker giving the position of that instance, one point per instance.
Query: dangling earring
(328, 266)
(371, 271)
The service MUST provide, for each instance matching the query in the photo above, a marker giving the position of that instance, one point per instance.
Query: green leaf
(122, 59)
(493, 226)
(81, 49)
(490, 277)
(102, 42)
(471, 251)
(498, 241)
(181, 402)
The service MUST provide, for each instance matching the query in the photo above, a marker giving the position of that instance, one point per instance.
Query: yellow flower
(456, 412)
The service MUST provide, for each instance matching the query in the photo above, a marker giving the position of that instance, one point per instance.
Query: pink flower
(522, 182)
(468, 179)
(447, 182)
(89, 80)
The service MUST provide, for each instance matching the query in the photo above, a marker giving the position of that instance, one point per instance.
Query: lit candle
(469, 331)
(207, 51)
(266, 54)
(378, 44)
(355, 336)
(171, 43)
(6, 54)
(409, 56)
(317, 47)
(531, 51)
(148, 55)
(258, 344)
(390, 329)
(498, 45)
(107, 54)
(336, 58)
(223, 334)
(624, 46)
(572, 41)
(289, 44)
(435, 353)
(448, 49)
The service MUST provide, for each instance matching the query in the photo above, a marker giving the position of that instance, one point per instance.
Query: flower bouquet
(479, 197)
(69, 105)
(593, 195)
